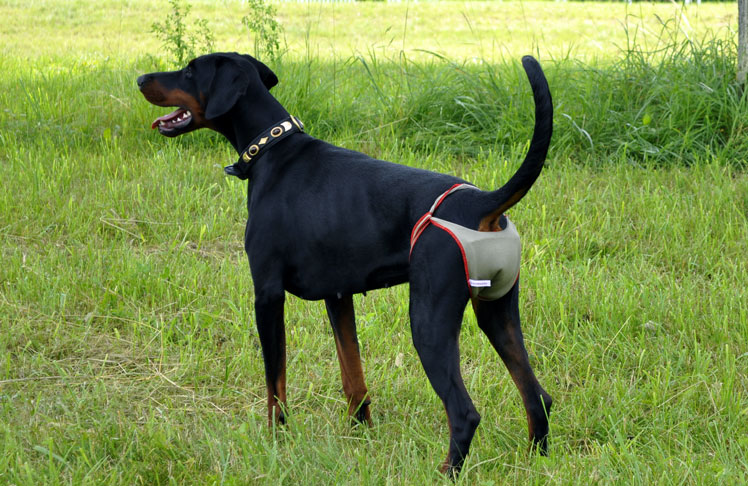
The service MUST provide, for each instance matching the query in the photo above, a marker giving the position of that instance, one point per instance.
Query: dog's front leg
(272, 332)
(342, 319)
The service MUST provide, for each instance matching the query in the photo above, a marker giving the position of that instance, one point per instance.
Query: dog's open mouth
(173, 123)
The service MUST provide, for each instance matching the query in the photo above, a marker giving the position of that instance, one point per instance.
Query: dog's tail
(510, 193)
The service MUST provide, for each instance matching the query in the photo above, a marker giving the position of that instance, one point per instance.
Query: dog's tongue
(166, 118)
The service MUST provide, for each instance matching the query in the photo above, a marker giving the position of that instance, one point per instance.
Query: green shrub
(182, 41)
(265, 29)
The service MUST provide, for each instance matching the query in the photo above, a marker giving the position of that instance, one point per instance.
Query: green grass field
(128, 353)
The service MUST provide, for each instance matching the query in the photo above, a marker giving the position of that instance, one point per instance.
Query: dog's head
(206, 89)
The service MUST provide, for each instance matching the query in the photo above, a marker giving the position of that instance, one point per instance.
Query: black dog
(326, 223)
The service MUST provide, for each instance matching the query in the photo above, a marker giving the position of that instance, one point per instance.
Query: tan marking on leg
(349, 358)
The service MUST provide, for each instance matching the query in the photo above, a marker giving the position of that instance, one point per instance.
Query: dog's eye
(188, 73)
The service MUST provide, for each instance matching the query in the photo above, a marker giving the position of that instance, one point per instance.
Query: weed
(264, 28)
(182, 41)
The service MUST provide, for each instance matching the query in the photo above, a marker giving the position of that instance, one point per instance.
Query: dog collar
(259, 146)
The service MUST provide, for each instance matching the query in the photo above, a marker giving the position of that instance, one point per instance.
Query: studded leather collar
(260, 145)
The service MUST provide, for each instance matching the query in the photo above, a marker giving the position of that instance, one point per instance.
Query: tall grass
(652, 112)
(667, 103)
(663, 104)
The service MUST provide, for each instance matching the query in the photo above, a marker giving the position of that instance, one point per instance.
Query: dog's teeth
(161, 123)
(187, 113)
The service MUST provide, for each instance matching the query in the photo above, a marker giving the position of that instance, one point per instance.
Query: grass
(457, 30)
(127, 348)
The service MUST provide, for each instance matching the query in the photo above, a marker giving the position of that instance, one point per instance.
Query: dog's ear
(231, 76)
(229, 82)
(268, 77)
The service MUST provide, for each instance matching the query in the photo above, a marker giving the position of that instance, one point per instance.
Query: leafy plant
(265, 28)
(180, 40)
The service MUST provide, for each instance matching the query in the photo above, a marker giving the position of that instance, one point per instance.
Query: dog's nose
(141, 80)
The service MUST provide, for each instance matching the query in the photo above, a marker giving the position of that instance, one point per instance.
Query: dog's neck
(252, 121)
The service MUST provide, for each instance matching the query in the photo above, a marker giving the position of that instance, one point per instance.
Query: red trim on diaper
(462, 252)
(424, 221)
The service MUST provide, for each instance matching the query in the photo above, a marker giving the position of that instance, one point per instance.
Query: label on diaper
(479, 283)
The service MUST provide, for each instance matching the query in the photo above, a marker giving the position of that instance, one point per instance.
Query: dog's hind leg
(342, 319)
(272, 332)
(500, 321)
(438, 296)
